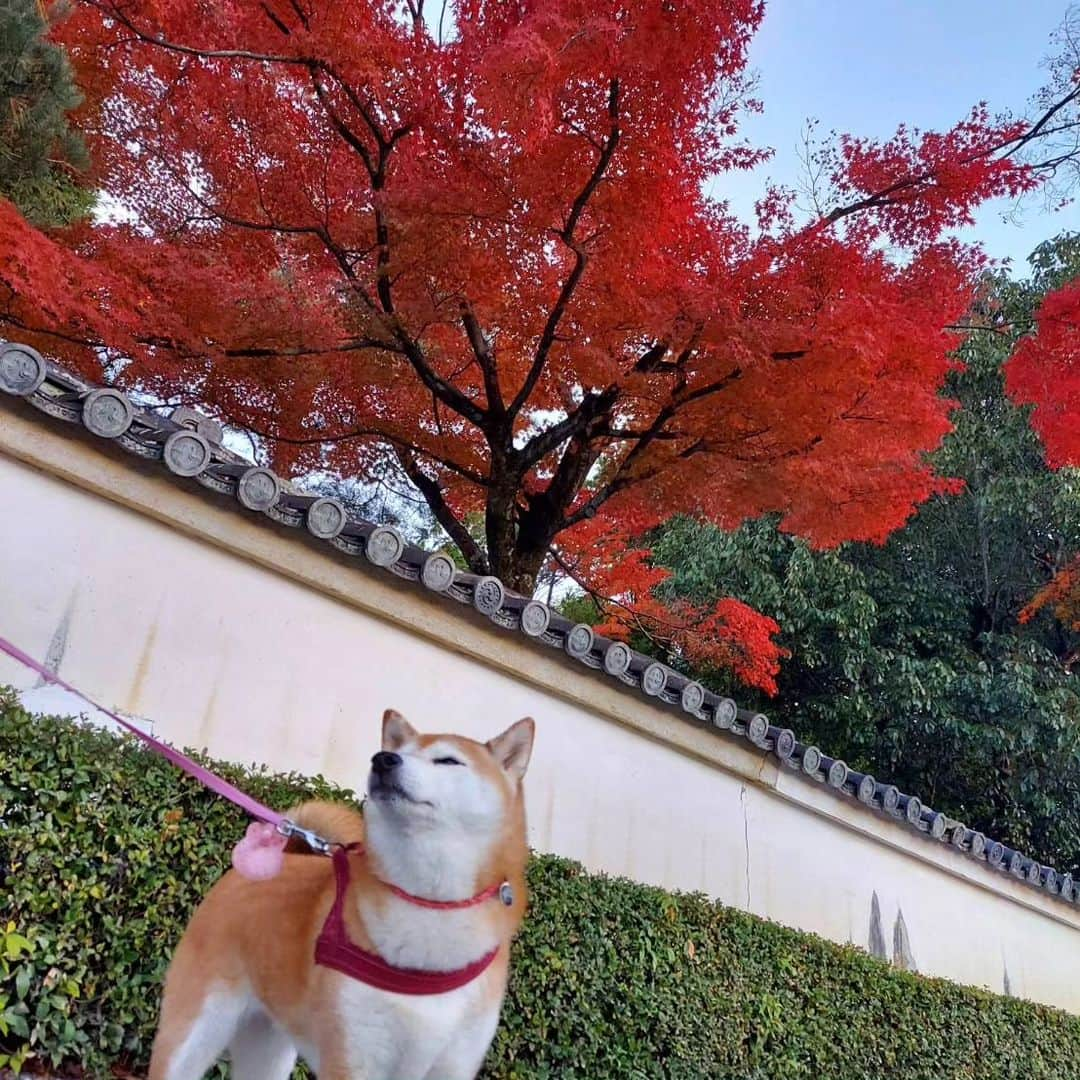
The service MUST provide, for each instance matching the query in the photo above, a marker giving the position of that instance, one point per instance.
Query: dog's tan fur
(254, 941)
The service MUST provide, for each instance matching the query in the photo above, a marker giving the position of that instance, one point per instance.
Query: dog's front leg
(464, 1056)
(338, 1071)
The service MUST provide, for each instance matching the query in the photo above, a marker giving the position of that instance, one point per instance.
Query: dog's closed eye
(448, 761)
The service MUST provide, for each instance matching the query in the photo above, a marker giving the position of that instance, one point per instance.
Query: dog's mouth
(387, 789)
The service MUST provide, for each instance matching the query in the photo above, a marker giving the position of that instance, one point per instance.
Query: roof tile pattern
(189, 446)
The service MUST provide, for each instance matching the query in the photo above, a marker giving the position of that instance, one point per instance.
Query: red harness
(333, 949)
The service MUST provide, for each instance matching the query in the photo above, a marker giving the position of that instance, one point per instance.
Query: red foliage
(728, 634)
(1061, 596)
(1044, 372)
(490, 259)
(925, 182)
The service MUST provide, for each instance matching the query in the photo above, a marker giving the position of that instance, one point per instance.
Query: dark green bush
(105, 850)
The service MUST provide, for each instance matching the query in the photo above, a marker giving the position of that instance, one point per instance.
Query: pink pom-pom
(261, 854)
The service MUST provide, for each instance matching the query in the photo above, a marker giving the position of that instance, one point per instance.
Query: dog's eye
(448, 761)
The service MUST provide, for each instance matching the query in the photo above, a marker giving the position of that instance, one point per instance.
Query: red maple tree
(475, 244)
(1044, 372)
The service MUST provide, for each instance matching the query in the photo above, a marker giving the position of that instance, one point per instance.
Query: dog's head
(446, 783)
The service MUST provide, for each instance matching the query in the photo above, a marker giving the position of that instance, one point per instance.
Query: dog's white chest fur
(398, 1037)
(416, 1037)
(411, 937)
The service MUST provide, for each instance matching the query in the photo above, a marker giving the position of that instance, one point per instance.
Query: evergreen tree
(40, 155)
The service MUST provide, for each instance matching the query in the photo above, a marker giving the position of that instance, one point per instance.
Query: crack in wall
(746, 840)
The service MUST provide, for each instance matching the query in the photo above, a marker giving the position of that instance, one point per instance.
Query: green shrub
(106, 849)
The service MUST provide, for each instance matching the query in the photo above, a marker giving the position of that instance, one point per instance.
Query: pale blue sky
(864, 67)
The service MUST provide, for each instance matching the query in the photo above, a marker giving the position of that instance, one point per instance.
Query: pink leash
(210, 780)
(259, 856)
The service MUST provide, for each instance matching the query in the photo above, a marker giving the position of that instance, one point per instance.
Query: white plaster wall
(220, 652)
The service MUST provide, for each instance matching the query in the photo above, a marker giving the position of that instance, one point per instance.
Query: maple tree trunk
(515, 554)
(525, 565)
(499, 532)
(521, 528)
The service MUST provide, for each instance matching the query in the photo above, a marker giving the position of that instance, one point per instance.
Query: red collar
(333, 949)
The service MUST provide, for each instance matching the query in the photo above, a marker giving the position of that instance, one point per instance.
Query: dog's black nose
(384, 762)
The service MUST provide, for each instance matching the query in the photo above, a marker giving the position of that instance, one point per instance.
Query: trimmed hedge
(106, 849)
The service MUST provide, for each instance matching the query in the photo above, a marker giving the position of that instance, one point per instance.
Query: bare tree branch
(433, 496)
(254, 352)
(568, 237)
(113, 11)
(1006, 148)
(591, 407)
(397, 442)
(346, 133)
(485, 358)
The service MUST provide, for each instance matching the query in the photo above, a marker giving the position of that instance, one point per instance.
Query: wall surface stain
(286, 728)
(903, 957)
(206, 722)
(877, 936)
(746, 842)
(54, 655)
(667, 850)
(142, 668)
(549, 815)
(630, 830)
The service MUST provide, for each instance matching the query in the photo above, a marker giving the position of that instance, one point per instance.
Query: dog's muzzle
(385, 777)
(384, 763)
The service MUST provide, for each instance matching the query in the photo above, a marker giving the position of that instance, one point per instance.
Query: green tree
(910, 660)
(40, 155)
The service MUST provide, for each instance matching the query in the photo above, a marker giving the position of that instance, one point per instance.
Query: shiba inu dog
(385, 962)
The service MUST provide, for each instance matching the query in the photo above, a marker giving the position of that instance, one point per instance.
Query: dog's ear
(513, 748)
(396, 730)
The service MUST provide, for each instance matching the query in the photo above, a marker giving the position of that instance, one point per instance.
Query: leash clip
(317, 843)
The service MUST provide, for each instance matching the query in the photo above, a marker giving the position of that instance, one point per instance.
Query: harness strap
(333, 949)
